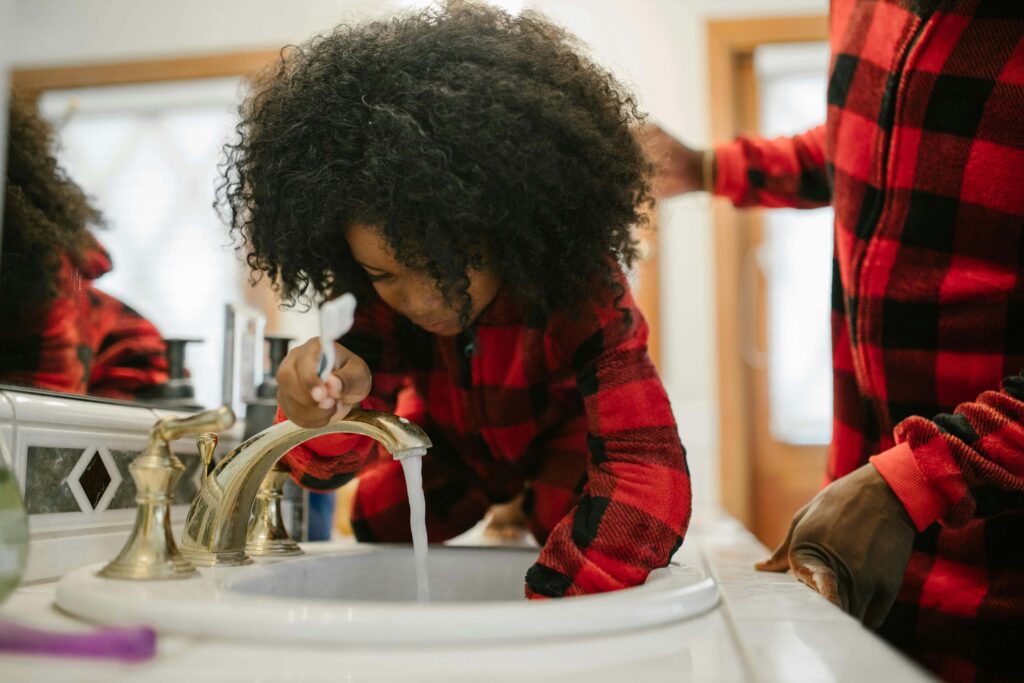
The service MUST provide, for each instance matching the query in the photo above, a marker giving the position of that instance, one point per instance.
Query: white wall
(655, 46)
(6, 43)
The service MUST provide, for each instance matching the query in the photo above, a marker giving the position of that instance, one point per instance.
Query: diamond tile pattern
(92, 480)
(95, 479)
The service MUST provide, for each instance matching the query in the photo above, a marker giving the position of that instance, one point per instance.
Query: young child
(473, 179)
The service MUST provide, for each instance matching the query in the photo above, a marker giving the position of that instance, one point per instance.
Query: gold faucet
(218, 520)
(150, 552)
(267, 536)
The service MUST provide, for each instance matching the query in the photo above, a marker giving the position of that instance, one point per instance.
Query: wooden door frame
(32, 81)
(648, 295)
(730, 42)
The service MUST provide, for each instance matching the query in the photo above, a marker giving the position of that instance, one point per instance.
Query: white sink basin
(366, 593)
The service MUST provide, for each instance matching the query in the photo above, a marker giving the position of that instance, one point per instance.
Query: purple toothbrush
(128, 644)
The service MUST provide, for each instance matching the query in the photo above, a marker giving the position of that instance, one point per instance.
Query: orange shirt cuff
(899, 469)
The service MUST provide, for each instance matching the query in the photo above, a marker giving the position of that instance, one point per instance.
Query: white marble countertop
(768, 627)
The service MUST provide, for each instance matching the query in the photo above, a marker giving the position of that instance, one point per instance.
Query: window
(797, 255)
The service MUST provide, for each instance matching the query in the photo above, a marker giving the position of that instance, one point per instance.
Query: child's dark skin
(310, 402)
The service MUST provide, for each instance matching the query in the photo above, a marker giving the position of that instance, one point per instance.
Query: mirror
(119, 279)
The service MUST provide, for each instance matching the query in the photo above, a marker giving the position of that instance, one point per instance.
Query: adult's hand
(679, 169)
(851, 544)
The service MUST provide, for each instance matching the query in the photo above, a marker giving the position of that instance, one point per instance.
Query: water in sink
(412, 466)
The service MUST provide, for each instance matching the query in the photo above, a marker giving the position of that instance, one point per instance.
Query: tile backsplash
(92, 479)
(71, 460)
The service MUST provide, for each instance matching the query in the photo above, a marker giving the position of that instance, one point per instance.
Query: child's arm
(329, 461)
(635, 506)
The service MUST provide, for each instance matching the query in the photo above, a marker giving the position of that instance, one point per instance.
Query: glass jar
(13, 526)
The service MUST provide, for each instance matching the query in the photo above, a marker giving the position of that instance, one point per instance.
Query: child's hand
(310, 402)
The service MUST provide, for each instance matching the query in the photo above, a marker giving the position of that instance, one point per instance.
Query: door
(773, 276)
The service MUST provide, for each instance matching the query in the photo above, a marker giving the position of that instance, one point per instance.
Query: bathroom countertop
(768, 627)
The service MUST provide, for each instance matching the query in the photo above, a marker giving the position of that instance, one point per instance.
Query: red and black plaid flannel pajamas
(922, 156)
(570, 409)
(84, 341)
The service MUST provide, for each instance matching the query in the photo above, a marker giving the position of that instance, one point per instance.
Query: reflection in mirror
(58, 331)
(148, 154)
(145, 156)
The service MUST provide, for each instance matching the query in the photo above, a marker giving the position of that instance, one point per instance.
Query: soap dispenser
(260, 411)
(178, 393)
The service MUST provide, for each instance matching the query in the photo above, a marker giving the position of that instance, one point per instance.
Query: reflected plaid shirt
(922, 156)
(84, 341)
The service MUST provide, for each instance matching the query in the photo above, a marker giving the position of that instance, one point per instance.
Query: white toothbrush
(336, 317)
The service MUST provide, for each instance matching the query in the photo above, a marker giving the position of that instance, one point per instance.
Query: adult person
(921, 531)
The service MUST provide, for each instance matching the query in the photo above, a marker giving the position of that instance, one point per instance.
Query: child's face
(411, 292)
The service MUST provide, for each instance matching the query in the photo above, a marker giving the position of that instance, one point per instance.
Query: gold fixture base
(267, 535)
(150, 552)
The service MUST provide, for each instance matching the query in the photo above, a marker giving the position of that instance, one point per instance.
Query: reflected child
(58, 331)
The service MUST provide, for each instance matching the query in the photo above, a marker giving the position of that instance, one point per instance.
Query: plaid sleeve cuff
(730, 172)
(900, 471)
(318, 462)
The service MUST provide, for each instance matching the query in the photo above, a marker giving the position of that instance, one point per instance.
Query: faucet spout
(218, 519)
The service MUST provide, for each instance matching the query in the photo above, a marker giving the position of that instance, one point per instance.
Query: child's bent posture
(474, 181)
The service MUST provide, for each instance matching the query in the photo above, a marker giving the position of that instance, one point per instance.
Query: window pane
(798, 256)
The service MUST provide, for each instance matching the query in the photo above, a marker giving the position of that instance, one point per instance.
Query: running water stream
(412, 466)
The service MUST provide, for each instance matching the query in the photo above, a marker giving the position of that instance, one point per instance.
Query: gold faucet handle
(214, 420)
(151, 552)
(207, 444)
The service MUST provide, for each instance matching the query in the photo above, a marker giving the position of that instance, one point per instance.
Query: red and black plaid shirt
(571, 410)
(922, 156)
(84, 341)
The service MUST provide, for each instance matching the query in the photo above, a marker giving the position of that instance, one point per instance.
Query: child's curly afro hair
(46, 215)
(469, 137)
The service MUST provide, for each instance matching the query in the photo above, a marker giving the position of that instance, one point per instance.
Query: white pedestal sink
(367, 593)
